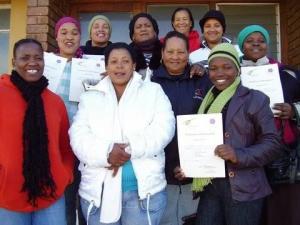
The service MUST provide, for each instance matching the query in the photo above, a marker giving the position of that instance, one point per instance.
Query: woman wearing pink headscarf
(67, 35)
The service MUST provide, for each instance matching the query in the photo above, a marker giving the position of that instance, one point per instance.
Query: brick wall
(293, 33)
(41, 18)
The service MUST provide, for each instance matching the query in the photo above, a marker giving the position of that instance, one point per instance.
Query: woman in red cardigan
(36, 160)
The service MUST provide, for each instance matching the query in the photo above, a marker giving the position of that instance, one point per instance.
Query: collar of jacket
(224, 40)
(106, 84)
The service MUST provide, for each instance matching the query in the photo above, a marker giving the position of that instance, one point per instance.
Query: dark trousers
(216, 206)
(72, 200)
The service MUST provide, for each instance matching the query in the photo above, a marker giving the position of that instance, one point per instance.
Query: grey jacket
(250, 130)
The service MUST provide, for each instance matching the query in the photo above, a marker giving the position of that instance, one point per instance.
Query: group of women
(123, 132)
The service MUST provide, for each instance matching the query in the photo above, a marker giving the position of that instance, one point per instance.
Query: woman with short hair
(36, 161)
(119, 134)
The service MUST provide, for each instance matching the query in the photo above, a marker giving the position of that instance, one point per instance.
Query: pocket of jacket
(157, 202)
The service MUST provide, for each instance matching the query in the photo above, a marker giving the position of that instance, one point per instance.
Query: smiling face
(182, 22)
(100, 33)
(175, 55)
(68, 40)
(29, 61)
(143, 30)
(255, 47)
(222, 72)
(120, 67)
(213, 32)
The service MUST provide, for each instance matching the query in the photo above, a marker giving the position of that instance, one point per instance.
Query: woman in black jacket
(185, 95)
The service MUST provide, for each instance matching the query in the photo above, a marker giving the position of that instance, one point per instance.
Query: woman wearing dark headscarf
(36, 161)
(213, 27)
(143, 31)
(282, 206)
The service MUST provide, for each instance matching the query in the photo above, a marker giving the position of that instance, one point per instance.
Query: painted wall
(18, 21)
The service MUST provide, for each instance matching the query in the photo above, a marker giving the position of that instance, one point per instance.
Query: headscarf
(244, 33)
(213, 14)
(225, 50)
(68, 19)
(99, 17)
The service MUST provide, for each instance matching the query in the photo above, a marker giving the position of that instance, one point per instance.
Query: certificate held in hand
(265, 79)
(198, 136)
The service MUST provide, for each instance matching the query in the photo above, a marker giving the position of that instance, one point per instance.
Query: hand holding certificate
(83, 69)
(53, 70)
(198, 136)
(265, 79)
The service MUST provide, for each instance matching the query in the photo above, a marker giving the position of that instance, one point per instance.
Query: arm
(154, 138)
(64, 143)
(88, 148)
(267, 145)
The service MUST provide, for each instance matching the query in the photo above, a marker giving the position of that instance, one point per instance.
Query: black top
(88, 49)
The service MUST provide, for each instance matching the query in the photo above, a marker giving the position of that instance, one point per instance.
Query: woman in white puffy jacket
(119, 134)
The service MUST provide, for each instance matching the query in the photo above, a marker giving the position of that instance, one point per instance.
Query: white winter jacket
(143, 118)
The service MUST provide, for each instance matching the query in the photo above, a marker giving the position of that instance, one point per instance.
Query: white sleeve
(155, 137)
(87, 147)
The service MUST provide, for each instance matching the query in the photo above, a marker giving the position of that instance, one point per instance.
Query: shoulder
(253, 98)
(51, 98)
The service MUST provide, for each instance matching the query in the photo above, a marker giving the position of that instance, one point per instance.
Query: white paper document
(83, 70)
(53, 70)
(265, 79)
(198, 136)
(99, 58)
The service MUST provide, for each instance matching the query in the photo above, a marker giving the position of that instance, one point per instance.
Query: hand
(284, 110)
(226, 152)
(178, 173)
(197, 70)
(115, 169)
(118, 156)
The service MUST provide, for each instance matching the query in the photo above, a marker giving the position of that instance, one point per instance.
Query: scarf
(38, 181)
(140, 58)
(146, 46)
(215, 106)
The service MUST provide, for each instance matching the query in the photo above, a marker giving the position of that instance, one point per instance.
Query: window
(239, 16)
(4, 38)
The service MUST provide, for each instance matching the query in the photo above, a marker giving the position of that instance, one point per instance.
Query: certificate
(99, 58)
(265, 79)
(198, 136)
(83, 70)
(200, 55)
(53, 70)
